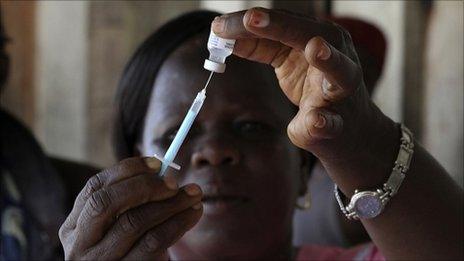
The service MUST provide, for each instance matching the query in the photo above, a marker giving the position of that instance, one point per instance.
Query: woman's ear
(306, 166)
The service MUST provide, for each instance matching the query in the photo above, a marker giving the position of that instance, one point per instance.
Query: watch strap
(391, 187)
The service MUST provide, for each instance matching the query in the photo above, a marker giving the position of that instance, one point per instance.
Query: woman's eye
(253, 129)
(171, 135)
(168, 136)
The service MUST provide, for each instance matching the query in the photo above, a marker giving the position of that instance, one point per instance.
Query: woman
(239, 154)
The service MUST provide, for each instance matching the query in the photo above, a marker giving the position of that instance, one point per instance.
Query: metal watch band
(390, 188)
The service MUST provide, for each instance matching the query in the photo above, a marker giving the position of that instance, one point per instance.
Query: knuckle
(99, 202)
(93, 184)
(131, 222)
(293, 135)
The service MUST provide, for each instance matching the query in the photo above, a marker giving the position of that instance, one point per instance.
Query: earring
(306, 202)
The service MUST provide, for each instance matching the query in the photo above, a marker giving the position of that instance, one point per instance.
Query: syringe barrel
(182, 132)
(198, 102)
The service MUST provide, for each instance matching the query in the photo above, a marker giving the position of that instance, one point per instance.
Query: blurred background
(66, 58)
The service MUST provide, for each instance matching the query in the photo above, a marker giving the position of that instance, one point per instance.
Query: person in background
(36, 190)
(323, 223)
(32, 194)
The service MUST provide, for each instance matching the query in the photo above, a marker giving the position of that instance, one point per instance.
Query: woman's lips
(221, 197)
(221, 204)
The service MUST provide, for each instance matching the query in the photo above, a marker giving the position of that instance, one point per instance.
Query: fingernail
(170, 182)
(197, 206)
(152, 163)
(218, 24)
(324, 53)
(320, 123)
(192, 190)
(259, 19)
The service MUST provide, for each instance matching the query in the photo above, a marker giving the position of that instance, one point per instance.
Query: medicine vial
(219, 49)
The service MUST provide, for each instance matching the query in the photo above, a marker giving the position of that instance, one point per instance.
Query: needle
(209, 79)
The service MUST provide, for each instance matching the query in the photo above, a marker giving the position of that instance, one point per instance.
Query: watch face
(367, 204)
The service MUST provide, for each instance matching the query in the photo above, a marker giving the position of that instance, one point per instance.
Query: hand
(317, 68)
(128, 212)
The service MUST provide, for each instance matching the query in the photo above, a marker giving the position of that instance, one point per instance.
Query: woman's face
(237, 151)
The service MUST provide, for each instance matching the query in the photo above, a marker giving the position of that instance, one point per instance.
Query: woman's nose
(215, 153)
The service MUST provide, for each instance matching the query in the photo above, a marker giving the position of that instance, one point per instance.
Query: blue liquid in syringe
(184, 129)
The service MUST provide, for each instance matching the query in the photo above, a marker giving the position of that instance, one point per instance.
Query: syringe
(183, 130)
(219, 49)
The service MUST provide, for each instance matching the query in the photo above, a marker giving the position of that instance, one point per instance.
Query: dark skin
(237, 151)
(110, 221)
(318, 71)
(357, 144)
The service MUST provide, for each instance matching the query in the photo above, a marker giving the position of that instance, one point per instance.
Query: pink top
(368, 252)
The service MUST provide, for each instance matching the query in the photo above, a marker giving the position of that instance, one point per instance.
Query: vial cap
(214, 66)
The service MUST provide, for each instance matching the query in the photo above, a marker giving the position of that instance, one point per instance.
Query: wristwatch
(369, 204)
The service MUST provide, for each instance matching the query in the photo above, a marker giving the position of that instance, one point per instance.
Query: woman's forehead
(182, 75)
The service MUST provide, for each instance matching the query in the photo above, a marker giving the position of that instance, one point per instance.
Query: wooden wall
(18, 95)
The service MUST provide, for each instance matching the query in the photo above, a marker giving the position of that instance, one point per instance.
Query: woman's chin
(212, 243)
(230, 233)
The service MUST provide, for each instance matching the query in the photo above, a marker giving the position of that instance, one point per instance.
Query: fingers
(155, 242)
(131, 225)
(261, 50)
(342, 76)
(311, 127)
(248, 45)
(125, 169)
(104, 205)
(270, 36)
(289, 29)
(230, 26)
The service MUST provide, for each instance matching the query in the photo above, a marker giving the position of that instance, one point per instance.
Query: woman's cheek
(274, 159)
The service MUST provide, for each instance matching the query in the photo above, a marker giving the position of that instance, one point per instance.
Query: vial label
(217, 42)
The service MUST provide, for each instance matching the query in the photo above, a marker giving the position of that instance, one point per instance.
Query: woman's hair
(135, 86)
